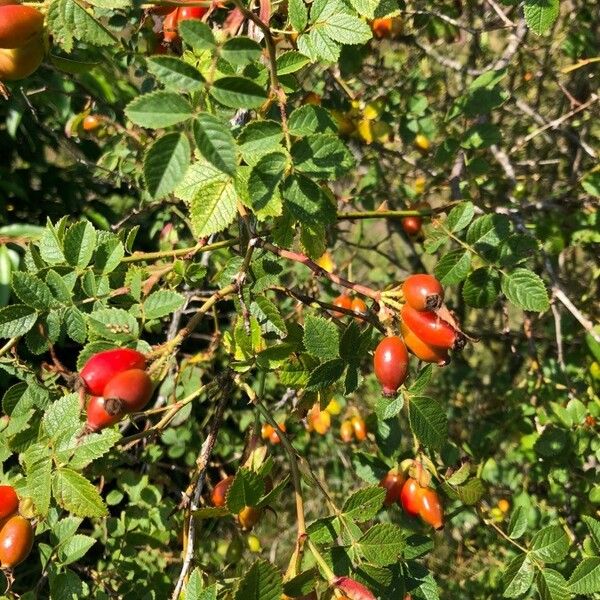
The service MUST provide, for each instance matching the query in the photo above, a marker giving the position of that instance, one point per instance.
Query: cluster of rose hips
(249, 516)
(410, 490)
(428, 330)
(356, 305)
(353, 428)
(21, 40)
(117, 383)
(16, 532)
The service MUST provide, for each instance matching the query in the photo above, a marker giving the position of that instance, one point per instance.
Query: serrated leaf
(159, 109)
(165, 164)
(92, 447)
(518, 576)
(174, 73)
(76, 494)
(322, 155)
(268, 316)
(526, 290)
(309, 119)
(297, 14)
(196, 34)
(61, 420)
(215, 142)
(113, 324)
(245, 490)
(550, 544)
(80, 243)
(517, 525)
(552, 585)
(109, 255)
(162, 303)
(263, 184)
(366, 8)
(307, 202)
(290, 62)
(321, 338)
(585, 579)
(347, 29)
(16, 320)
(74, 548)
(75, 324)
(259, 138)
(481, 287)
(241, 50)
(213, 207)
(326, 374)
(486, 234)
(382, 544)
(594, 527)
(541, 14)
(31, 290)
(428, 421)
(364, 504)
(37, 461)
(460, 216)
(238, 92)
(471, 492)
(261, 582)
(453, 267)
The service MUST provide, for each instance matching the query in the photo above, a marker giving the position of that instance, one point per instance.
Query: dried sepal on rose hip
(423, 292)
(102, 413)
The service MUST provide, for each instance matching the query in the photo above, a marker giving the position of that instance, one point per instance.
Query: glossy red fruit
(410, 497)
(133, 388)
(392, 482)
(103, 413)
(430, 328)
(102, 367)
(219, 493)
(9, 501)
(423, 351)
(248, 517)
(359, 427)
(358, 306)
(16, 541)
(343, 301)
(191, 12)
(274, 436)
(390, 363)
(423, 292)
(19, 25)
(19, 63)
(170, 34)
(353, 589)
(347, 431)
(430, 509)
(412, 225)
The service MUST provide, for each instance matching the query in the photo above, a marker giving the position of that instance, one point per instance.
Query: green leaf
(261, 582)
(541, 14)
(37, 461)
(517, 525)
(387, 408)
(162, 303)
(594, 526)
(165, 164)
(238, 92)
(322, 155)
(347, 29)
(326, 374)
(213, 207)
(550, 544)
(364, 504)
(526, 290)
(259, 138)
(460, 216)
(109, 254)
(215, 142)
(16, 320)
(76, 494)
(263, 184)
(68, 20)
(471, 492)
(158, 110)
(113, 324)
(310, 119)
(552, 585)
(245, 490)
(321, 338)
(61, 420)
(428, 421)
(366, 8)
(290, 62)
(307, 202)
(74, 548)
(32, 291)
(486, 234)
(93, 446)
(175, 74)
(75, 324)
(268, 316)
(196, 34)
(382, 544)
(453, 267)
(241, 50)
(483, 135)
(481, 287)
(297, 14)
(80, 243)
(518, 576)
(585, 579)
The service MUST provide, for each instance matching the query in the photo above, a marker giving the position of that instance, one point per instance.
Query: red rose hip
(423, 292)
(133, 388)
(9, 501)
(102, 367)
(390, 363)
